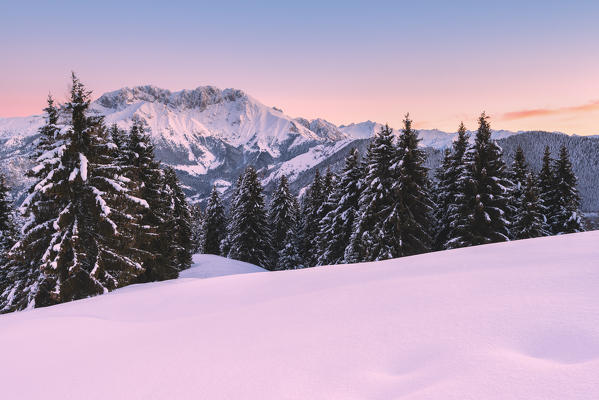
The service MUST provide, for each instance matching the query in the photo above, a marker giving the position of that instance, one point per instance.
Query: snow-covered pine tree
(214, 224)
(518, 173)
(8, 229)
(482, 213)
(450, 191)
(24, 284)
(518, 176)
(336, 228)
(249, 235)
(546, 184)
(180, 219)
(311, 203)
(377, 198)
(225, 244)
(153, 235)
(443, 199)
(282, 216)
(288, 256)
(76, 241)
(197, 233)
(8, 236)
(329, 203)
(132, 206)
(119, 138)
(528, 219)
(86, 254)
(329, 183)
(409, 225)
(567, 216)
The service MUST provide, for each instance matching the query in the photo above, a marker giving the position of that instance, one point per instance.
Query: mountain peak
(198, 98)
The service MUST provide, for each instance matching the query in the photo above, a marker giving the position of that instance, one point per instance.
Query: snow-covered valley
(516, 320)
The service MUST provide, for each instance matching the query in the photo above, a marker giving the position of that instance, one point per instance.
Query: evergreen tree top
(483, 134)
(214, 200)
(51, 111)
(519, 168)
(461, 143)
(546, 174)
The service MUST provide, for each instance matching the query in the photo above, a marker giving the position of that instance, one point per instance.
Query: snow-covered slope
(209, 266)
(183, 118)
(516, 320)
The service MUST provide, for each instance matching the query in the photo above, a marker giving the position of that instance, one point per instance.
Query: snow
(311, 158)
(209, 266)
(83, 166)
(186, 117)
(514, 320)
(73, 174)
(361, 130)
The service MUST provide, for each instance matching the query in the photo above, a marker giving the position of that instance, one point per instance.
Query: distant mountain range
(210, 135)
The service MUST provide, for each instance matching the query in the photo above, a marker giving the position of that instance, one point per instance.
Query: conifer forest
(104, 213)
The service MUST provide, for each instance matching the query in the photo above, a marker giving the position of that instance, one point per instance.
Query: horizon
(527, 65)
(418, 126)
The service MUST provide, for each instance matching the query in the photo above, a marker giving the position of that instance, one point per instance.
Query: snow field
(517, 320)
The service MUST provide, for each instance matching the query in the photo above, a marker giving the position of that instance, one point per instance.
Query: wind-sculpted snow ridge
(516, 320)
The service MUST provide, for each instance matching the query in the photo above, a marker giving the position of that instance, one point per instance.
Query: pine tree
(288, 256)
(312, 201)
(443, 198)
(518, 176)
(8, 229)
(518, 173)
(85, 256)
(528, 220)
(225, 244)
(567, 216)
(24, 283)
(8, 237)
(329, 203)
(214, 224)
(180, 220)
(132, 206)
(249, 235)
(409, 225)
(197, 232)
(282, 216)
(153, 236)
(482, 212)
(329, 183)
(546, 183)
(74, 234)
(119, 138)
(369, 241)
(337, 226)
(451, 192)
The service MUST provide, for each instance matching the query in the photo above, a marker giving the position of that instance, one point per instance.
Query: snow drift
(515, 320)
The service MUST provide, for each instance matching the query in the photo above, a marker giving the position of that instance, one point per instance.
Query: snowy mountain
(210, 135)
(514, 320)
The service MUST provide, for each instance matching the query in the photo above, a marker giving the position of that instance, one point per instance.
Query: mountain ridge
(209, 135)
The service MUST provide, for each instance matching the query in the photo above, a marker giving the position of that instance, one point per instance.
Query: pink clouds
(539, 112)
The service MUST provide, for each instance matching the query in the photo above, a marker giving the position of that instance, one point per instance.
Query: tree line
(102, 213)
(384, 205)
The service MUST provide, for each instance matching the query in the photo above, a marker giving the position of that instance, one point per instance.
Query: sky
(528, 64)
